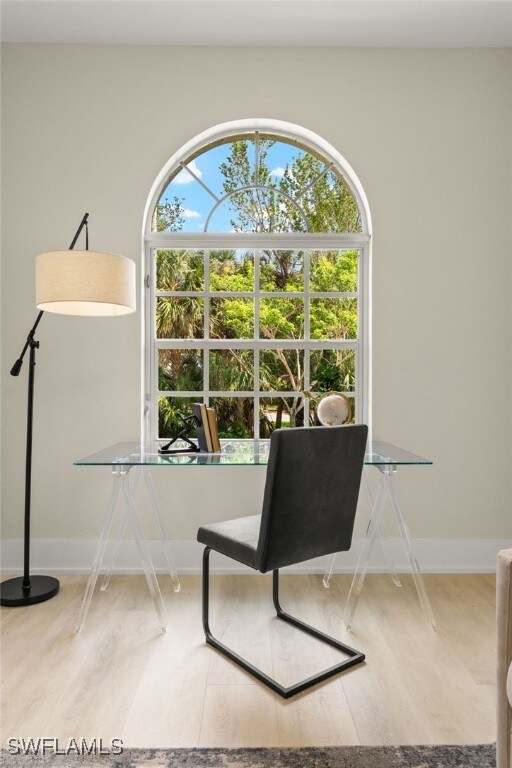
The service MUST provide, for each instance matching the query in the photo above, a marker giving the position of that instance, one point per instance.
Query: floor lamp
(69, 283)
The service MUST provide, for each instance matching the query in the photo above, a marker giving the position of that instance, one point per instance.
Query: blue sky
(198, 203)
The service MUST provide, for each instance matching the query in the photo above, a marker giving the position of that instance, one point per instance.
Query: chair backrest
(311, 492)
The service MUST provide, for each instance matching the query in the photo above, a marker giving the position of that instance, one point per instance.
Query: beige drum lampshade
(85, 283)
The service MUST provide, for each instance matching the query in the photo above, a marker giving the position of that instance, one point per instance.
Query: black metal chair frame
(355, 657)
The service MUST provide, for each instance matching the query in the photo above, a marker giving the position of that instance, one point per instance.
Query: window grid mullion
(307, 333)
(361, 332)
(206, 349)
(153, 352)
(342, 241)
(256, 385)
(238, 393)
(263, 294)
(320, 344)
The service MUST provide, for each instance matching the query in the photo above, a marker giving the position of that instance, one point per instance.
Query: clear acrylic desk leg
(144, 555)
(100, 551)
(121, 484)
(387, 489)
(383, 541)
(411, 555)
(171, 566)
(365, 553)
(118, 540)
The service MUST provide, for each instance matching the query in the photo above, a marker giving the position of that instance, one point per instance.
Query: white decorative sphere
(333, 410)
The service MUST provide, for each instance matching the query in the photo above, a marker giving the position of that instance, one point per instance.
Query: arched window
(257, 281)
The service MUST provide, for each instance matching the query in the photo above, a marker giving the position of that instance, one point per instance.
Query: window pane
(276, 156)
(314, 421)
(280, 412)
(257, 210)
(333, 319)
(184, 204)
(330, 205)
(282, 370)
(169, 423)
(180, 369)
(231, 369)
(281, 271)
(333, 369)
(235, 416)
(179, 318)
(231, 270)
(281, 318)
(333, 271)
(287, 171)
(232, 318)
(225, 158)
(179, 270)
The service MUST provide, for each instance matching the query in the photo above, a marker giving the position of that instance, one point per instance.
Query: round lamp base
(12, 592)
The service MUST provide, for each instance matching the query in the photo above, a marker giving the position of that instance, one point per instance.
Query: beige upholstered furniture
(504, 618)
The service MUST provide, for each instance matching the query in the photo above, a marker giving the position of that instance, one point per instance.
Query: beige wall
(429, 134)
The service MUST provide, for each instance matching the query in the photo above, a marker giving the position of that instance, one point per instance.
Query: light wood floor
(122, 678)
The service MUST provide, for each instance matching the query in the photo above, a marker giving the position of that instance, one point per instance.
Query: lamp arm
(15, 370)
(83, 224)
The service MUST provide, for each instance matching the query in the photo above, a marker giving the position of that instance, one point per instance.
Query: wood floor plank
(122, 678)
(167, 706)
(239, 716)
(467, 602)
(321, 716)
(428, 673)
(240, 614)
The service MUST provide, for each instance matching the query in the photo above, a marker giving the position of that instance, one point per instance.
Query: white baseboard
(76, 556)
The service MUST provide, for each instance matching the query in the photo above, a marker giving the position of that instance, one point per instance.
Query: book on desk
(206, 428)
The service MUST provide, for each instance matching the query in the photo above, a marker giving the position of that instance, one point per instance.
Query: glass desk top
(233, 453)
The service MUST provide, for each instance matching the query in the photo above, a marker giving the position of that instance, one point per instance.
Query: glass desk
(123, 457)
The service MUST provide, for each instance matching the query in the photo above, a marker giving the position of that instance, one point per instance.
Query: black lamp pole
(27, 589)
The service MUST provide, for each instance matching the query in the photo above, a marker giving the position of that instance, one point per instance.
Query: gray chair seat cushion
(237, 538)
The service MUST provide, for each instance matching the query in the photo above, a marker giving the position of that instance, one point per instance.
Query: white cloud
(278, 172)
(184, 176)
(188, 214)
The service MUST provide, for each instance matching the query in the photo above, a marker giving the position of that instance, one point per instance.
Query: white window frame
(206, 241)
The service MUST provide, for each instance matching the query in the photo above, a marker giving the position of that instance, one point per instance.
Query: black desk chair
(309, 506)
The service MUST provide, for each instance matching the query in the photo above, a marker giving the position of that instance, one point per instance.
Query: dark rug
(452, 756)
